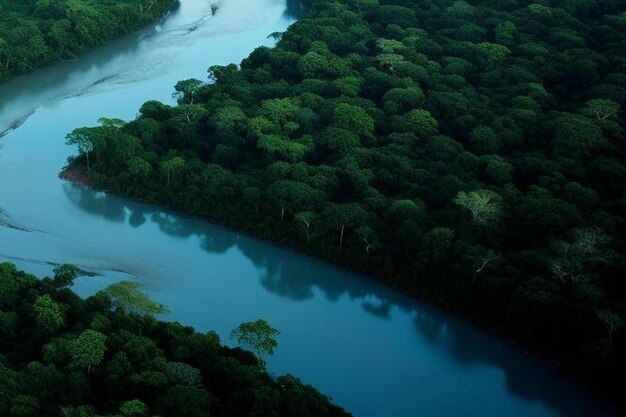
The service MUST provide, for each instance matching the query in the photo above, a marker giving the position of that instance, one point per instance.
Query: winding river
(374, 350)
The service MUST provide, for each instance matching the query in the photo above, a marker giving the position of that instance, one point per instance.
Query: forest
(37, 33)
(470, 153)
(107, 355)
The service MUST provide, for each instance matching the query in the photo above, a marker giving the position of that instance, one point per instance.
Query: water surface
(375, 351)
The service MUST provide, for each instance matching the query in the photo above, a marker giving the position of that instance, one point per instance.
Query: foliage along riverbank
(35, 34)
(107, 355)
(468, 152)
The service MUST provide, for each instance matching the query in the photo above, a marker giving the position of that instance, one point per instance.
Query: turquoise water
(375, 351)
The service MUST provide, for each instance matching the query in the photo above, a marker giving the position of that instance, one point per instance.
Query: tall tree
(88, 349)
(259, 336)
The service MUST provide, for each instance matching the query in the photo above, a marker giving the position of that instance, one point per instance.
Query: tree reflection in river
(95, 202)
(297, 278)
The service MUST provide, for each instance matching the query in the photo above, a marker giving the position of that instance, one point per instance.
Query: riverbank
(429, 295)
(64, 30)
(391, 165)
(76, 174)
(109, 353)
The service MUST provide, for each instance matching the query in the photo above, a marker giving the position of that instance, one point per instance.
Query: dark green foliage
(62, 366)
(471, 152)
(34, 34)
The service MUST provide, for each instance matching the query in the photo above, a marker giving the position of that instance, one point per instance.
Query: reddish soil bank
(75, 174)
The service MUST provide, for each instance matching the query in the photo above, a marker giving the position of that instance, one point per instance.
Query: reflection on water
(374, 350)
(296, 278)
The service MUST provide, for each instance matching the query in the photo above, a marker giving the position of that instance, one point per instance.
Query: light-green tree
(48, 313)
(88, 349)
(134, 408)
(575, 260)
(485, 206)
(354, 119)
(257, 335)
(602, 109)
(172, 165)
(126, 297)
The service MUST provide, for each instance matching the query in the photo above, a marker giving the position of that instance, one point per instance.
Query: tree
(419, 122)
(172, 165)
(126, 297)
(611, 322)
(82, 138)
(368, 237)
(185, 401)
(575, 260)
(88, 349)
(484, 206)
(183, 374)
(436, 245)
(505, 33)
(493, 52)
(134, 408)
(187, 88)
(353, 119)
(485, 140)
(306, 218)
(601, 109)
(483, 261)
(344, 215)
(48, 313)
(283, 147)
(24, 406)
(259, 336)
(64, 275)
(575, 135)
(293, 196)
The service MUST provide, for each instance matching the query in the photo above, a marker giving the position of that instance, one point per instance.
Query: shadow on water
(294, 277)
(295, 9)
(64, 71)
(23, 95)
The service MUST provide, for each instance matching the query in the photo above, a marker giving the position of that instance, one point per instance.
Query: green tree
(48, 313)
(346, 215)
(483, 205)
(134, 408)
(172, 165)
(187, 88)
(602, 109)
(182, 373)
(353, 119)
(259, 336)
(126, 297)
(24, 406)
(293, 196)
(88, 349)
(64, 275)
(576, 260)
(83, 139)
(436, 245)
(419, 122)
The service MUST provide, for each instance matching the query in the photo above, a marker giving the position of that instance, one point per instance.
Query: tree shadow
(296, 277)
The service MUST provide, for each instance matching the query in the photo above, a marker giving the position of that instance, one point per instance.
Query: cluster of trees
(37, 33)
(61, 355)
(470, 152)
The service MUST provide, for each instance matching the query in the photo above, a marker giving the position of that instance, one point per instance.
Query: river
(374, 350)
